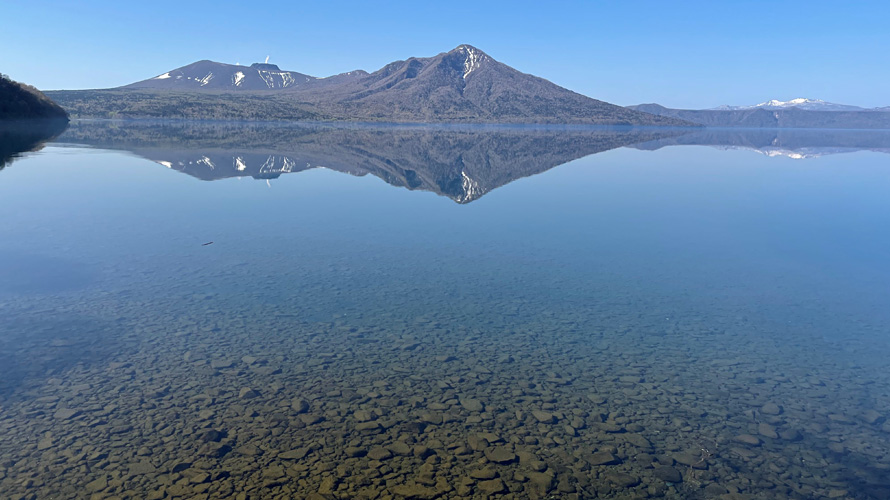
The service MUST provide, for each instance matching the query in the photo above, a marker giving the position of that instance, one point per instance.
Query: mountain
(24, 102)
(764, 117)
(210, 76)
(462, 163)
(463, 85)
(799, 103)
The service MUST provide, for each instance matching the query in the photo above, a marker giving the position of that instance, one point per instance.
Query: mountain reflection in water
(22, 136)
(462, 163)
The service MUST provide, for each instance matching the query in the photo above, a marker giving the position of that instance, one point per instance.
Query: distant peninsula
(794, 113)
(464, 85)
(24, 102)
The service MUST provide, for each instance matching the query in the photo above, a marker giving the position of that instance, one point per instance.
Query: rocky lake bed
(420, 406)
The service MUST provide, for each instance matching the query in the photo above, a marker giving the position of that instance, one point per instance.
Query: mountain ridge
(784, 117)
(463, 85)
(799, 102)
(207, 75)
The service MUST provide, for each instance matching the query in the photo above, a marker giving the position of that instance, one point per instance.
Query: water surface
(374, 312)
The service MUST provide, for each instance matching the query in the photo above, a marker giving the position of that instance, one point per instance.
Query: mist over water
(278, 312)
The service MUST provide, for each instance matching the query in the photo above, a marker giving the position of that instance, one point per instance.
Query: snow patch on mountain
(206, 162)
(473, 61)
(471, 189)
(239, 164)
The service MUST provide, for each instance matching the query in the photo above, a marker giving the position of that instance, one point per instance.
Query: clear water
(540, 314)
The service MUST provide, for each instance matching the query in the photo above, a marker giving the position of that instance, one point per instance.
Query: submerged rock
(668, 474)
(603, 458)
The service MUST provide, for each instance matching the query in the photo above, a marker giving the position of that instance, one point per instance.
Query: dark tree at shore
(21, 102)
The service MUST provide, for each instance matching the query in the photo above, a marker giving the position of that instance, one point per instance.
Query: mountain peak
(473, 58)
(793, 102)
(265, 67)
(210, 75)
(465, 48)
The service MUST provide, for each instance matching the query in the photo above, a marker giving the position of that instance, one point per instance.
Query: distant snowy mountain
(799, 103)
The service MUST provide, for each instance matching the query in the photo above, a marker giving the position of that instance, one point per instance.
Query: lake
(312, 311)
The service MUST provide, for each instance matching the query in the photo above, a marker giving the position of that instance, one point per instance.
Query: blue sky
(691, 54)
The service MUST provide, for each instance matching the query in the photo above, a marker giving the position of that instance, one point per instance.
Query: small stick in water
(208, 243)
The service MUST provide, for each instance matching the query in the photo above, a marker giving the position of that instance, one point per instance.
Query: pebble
(400, 448)
(179, 467)
(486, 473)
(872, 417)
(500, 455)
(691, 460)
(369, 427)
(415, 491)
(714, 490)
(199, 477)
(767, 430)
(542, 482)
(771, 409)
(300, 405)
(218, 364)
(97, 485)
(379, 453)
(309, 419)
(45, 443)
(472, 405)
(248, 393)
(790, 434)
(492, 486)
(747, 439)
(668, 474)
(623, 480)
(66, 413)
(637, 440)
(296, 454)
(249, 450)
(140, 468)
(544, 417)
(603, 458)
(362, 415)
